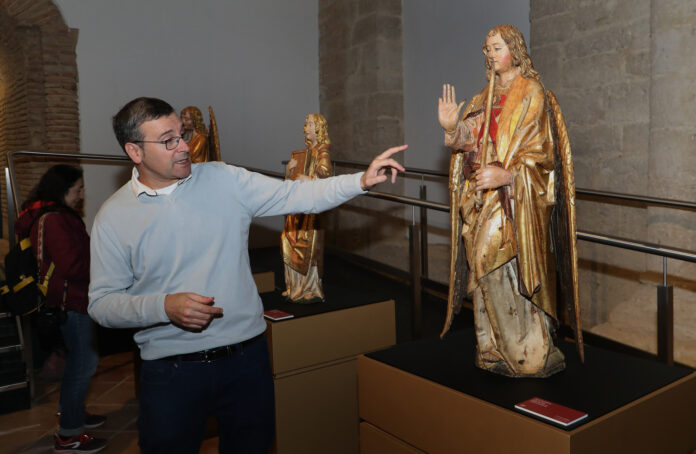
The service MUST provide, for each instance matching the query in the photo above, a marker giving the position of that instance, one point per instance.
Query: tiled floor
(112, 394)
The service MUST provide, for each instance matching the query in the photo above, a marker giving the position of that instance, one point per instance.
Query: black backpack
(23, 292)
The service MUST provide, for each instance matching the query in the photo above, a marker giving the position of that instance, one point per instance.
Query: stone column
(361, 96)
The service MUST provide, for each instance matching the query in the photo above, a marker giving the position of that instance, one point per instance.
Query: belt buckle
(206, 357)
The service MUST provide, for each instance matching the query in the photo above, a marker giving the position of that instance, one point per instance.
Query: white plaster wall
(442, 44)
(255, 62)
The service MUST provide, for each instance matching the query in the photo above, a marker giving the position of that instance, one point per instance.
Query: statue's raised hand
(448, 109)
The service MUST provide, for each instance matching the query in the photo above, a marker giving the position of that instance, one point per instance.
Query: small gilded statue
(204, 144)
(512, 208)
(302, 241)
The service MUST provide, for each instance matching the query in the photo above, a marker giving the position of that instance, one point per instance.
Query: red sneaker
(79, 444)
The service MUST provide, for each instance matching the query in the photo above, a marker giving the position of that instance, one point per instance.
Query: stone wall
(621, 72)
(38, 88)
(361, 96)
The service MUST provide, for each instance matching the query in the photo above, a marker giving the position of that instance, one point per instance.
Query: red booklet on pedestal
(277, 314)
(553, 412)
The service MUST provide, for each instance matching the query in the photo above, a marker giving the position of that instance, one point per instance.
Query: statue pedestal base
(313, 357)
(428, 396)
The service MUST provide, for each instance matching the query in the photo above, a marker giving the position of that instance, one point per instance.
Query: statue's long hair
(321, 127)
(197, 116)
(517, 47)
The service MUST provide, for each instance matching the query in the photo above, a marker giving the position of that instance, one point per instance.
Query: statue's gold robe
(302, 241)
(198, 148)
(507, 242)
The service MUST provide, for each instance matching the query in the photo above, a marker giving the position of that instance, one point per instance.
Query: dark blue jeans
(80, 364)
(177, 397)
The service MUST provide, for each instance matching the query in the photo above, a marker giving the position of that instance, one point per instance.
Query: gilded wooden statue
(204, 144)
(512, 200)
(302, 240)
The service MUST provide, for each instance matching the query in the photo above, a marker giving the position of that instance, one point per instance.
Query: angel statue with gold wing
(302, 240)
(512, 213)
(204, 143)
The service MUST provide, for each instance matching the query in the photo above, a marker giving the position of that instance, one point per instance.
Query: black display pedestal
(429, 397)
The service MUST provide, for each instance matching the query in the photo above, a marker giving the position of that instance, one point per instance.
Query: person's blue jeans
(177, 397)
(80, 364)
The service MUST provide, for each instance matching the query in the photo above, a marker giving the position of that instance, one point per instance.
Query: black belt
(207, 356)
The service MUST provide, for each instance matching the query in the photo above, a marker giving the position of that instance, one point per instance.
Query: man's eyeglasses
(170, 144)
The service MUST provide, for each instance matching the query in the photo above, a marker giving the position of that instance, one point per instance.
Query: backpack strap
(27, 280)
(43, 283)
(25, 243)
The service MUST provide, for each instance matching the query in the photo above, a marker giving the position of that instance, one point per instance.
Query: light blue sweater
(192, 240)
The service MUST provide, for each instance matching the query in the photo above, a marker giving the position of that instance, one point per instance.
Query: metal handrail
(13, 177)
(375, 194)
(615, 241)
(269, 173)
(415, 170)
(640, 246)
(408, 200)
(649, 248)
(672, 203)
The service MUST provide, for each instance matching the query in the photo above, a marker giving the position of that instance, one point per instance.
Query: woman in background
(54, 207)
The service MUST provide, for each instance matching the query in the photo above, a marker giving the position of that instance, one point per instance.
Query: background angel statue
(204, 144)
(302, 242)
(512, 196)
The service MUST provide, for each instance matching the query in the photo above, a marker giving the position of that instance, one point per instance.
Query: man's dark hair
(54, 185)
(127, 121)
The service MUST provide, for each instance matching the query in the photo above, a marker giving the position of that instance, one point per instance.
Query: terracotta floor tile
(132, 426)
(122, 443)
(118, 359)
(41, 418)
(27, 442)
(122, 393)
(210, 446)
(98, 390)
(118, 417)
(116, 371)
(46, 392)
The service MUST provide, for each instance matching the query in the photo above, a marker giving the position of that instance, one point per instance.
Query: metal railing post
(2, 219)
(416, 293)
(424, 231)
(665, 318)
(10, 208)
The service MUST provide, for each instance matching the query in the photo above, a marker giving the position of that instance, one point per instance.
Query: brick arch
(38, 86)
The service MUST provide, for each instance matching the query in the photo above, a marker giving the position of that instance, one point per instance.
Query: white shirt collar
(139, 188)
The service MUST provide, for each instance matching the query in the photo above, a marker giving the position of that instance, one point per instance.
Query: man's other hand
(191, 310)
(376, 172)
